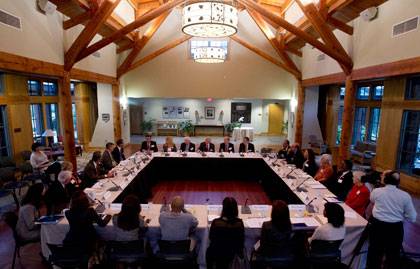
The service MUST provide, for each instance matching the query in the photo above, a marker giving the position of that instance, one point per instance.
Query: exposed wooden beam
(129, 28)
(340, 25)
(299, 112)
(158, 52)
(298, 32)
(89, 32)
(264, 27)
(125, 47)
(116, 111)
(338, 5)
(259, 52)
(141, 43)
(348, 119)
(93, 4)
(292, 50)
(76, 20)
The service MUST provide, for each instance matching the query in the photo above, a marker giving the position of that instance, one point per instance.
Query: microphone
(245, 208)
(310, 207)
(115, 188)
(300, 184)
(292, 177)
(100, 208)
(165, 206)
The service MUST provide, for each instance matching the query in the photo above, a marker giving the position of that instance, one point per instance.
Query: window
(359, 127)
(50, 88)
(73, 111)
(72, 88)
(342, 92)
(363, 93)
(375, 115)
(413, 88)
(52, 117)
(378, 92)
(4, 133)
(409, 153)
(34, 88)
(37, 121)
(370, 91)
(339, 125)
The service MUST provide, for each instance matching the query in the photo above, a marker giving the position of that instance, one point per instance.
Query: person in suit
(207, 146)
(295, 156)
(227, 236)
(309, 166)
(93, 171)
(284, 150)
(107, 160)
(118, 152)
(246, 146)
(226, 146)
(187, 145)
(149, 145)
(169, 145)
(344, 181)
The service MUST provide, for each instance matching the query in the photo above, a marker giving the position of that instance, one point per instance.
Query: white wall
(104, 131)
(310, 118)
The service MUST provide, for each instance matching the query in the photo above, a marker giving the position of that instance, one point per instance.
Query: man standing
(226, 146)
(149, 145)
(206, 146)
(187, 146)
(391, 207)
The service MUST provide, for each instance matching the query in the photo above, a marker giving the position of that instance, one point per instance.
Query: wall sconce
(124, 102)
(293, 104)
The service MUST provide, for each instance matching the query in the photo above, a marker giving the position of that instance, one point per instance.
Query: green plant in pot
(230, 126)
(186, 127)
(147, 125)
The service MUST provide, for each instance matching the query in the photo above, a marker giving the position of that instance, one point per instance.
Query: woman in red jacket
(358, 197)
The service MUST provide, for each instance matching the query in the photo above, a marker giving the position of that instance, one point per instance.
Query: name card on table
(214, 207)
(308, 221)
(260, 207)
(297, 211)
(115, 207)
(255, 222)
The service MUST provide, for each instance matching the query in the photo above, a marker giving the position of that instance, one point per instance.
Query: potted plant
(186, 127)
(285, 127)
(230, 126)
(147, 125)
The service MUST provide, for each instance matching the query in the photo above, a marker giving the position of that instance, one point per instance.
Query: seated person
(295, 156)
(129, 225)
(333, 230)
(309, 166)
(26, 228)
(284, 150)
(177, 224)
(227, 235)
(226, 146)
(344, 182)
(358, 197)
(206, 146)
(93, 170)
(107, 160)
(325, 171)
(246, 146)
(187, 146)
(118, 152)
(81, 218)
(372, 179)
(149, 145)
(169, 145)
(38, 159)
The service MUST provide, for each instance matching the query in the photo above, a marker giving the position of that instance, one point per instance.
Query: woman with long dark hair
(227, 235)
(29, 213)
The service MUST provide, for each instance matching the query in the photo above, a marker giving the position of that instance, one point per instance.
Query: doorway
(136, 116)
(275, 119)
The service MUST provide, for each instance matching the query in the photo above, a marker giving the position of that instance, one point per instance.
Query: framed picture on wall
(209, 113)
(241, 111)
(165, 112)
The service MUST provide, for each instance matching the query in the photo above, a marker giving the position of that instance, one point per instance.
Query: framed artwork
(241, 111)
(209, 112)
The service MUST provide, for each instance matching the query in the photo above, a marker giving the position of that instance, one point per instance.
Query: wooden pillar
(67, 120)
(299, 112)
(348, 119)
(116, 111)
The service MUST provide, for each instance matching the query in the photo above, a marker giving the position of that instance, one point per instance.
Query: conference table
(138, 174)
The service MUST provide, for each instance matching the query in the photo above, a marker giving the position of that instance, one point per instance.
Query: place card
(308, 221)
(255, 222)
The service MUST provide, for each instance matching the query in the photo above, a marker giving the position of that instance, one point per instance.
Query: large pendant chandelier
(209, 54)
(209, 19)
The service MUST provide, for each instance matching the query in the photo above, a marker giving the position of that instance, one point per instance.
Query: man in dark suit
(295, 156)
(285, 149)
(246, 146)
(226, 146)
(107, 161)
(344, 181)
(187, 146)
(149, 144)
(207, 146)
(118, 152)
(93, 171)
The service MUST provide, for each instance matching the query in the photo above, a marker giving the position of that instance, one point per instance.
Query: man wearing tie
(206, 146)
(118, 152)
(187, 146)
(344, 182)
(149, 145)
(226, 146)
(246, 146)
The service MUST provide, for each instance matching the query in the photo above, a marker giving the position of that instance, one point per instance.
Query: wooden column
(299, 113)
(67, 120)
(348, 119)
(116, 111)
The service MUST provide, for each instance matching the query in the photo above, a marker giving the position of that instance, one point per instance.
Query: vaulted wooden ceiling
(314, 27)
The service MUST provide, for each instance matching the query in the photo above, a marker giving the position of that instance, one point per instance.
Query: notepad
(308, 221)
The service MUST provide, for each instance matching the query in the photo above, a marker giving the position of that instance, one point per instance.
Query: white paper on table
(115, 207)
(321, 219)
(211, 217)
(318, 186)
(255, 222)
(145, 206)
(350, 215)
(309, 221)
(107, 195)
(214, 207)
(260, 207)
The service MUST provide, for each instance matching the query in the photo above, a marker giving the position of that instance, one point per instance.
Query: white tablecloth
(240, 133)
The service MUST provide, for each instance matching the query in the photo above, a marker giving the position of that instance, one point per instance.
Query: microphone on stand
(310, 207)
(300, 184)
(100, 208)
(116, 187)
(165, 206)
(245, 208)
(288, 175)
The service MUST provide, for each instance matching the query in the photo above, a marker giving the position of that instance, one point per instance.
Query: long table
(139, 173)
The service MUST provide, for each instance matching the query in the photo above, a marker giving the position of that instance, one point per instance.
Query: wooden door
(275, 119)
(136, 116)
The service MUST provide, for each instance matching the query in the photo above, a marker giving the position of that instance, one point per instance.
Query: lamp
(49, 134)
(209, 54)
(209, 19)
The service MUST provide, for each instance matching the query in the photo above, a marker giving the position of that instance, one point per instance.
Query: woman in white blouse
(39, 159)
(334, 229)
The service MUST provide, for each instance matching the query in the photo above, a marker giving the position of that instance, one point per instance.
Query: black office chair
(127, 253)
(325, 254)
(175, 254)
(11, 219)
(277, 255)
(68, 256)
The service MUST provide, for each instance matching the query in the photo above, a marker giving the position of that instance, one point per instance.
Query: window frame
(29, 87)
(401, 144)
(371, 124)
(409, 86)
(41, 121)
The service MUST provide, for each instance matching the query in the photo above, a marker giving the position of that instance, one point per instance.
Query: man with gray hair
(187, 145)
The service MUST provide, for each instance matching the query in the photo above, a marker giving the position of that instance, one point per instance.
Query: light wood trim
(299, 113)
(76, 20)
(344, 27)
(91, 76)
(89, 32)
(348, 119)
(129, 28)
(336, 78)
(116, 112)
